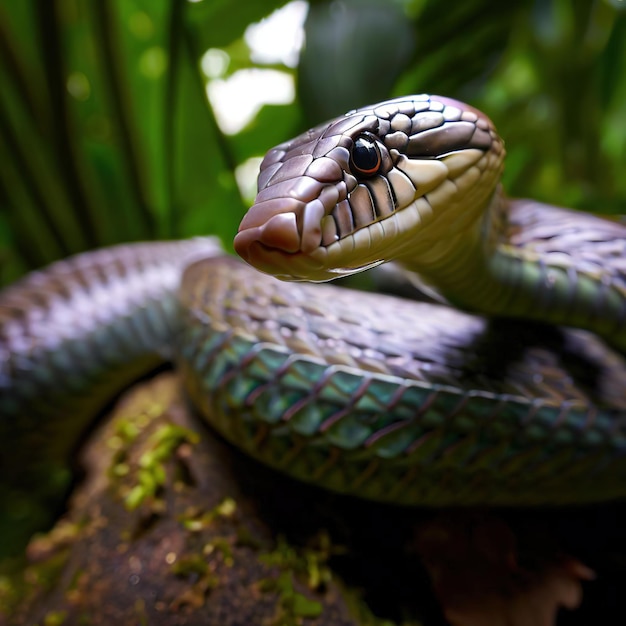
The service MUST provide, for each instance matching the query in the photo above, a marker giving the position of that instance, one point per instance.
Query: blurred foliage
(107, 135)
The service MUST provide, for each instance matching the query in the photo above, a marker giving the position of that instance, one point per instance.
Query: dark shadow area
(379, 554)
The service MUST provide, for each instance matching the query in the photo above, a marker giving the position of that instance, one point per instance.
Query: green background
(106, 134)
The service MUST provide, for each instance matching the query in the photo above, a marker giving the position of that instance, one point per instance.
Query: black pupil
(365, 155)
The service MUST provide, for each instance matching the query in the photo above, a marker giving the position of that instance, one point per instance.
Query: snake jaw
(424, 167)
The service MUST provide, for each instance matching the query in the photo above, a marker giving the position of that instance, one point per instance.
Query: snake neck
(480, 270)
(460, 265)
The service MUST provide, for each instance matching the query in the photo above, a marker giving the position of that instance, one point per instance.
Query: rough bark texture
(172, 526)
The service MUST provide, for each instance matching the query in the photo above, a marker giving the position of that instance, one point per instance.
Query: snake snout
(286, 223)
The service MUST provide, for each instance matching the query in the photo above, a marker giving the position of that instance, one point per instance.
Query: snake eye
(365, 157)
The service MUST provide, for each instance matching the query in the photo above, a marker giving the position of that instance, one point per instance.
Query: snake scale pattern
(519, 400)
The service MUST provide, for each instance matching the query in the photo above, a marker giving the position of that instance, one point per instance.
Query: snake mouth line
(375, 222)
(269, 260)
(306, 268)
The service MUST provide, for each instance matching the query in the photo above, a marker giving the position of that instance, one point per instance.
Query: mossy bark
(170, 525)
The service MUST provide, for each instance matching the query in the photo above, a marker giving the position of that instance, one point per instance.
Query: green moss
(55, 618)
(164, 441)
(194, 566)
(196, 519)
(190, 564)
(309, 562)
(150, 474)
(309, 565)
(20, 583)
(293, 605)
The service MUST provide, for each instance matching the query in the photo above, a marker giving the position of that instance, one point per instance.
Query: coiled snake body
(366, 394)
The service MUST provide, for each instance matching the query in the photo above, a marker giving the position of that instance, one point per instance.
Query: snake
(508, 388)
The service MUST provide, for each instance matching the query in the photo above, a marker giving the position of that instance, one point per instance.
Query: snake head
(378, 183)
